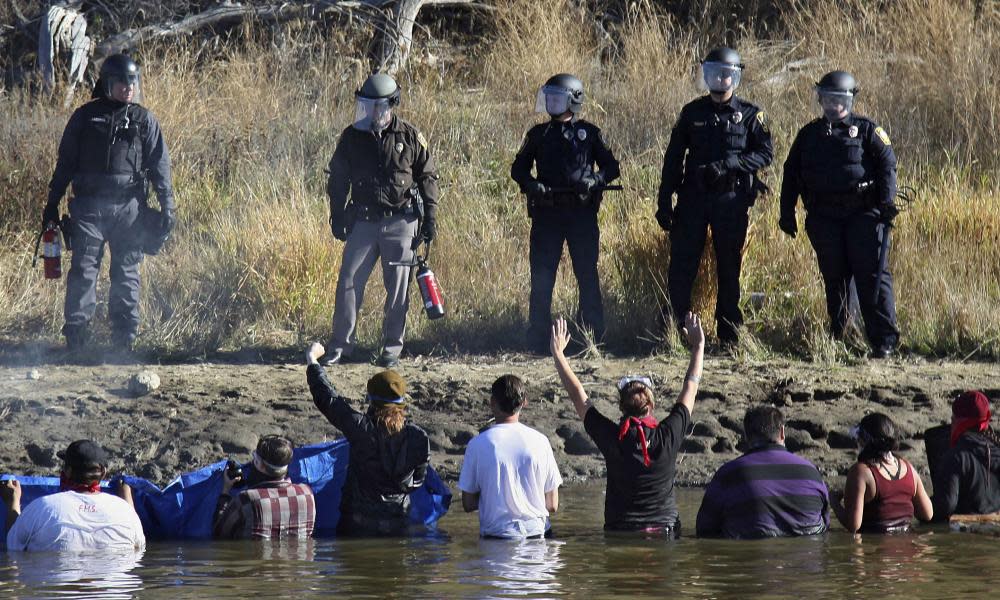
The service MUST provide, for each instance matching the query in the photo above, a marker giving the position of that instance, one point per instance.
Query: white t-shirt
(74, 521)
(511, 467)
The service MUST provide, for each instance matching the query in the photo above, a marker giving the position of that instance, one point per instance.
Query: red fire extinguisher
(50, 240)
(430, 290)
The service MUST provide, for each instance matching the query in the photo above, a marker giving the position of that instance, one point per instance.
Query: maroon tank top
(892, 507)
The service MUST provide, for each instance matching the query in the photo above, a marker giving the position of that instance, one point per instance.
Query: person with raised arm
(640, 452)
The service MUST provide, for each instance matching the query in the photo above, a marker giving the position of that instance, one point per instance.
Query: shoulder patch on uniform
(422, 140)
(882, 135)
(762, 120)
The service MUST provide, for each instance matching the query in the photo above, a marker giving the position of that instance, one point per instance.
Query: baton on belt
(600, 188)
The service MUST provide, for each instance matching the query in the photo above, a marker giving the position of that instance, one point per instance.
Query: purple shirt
(767, 492)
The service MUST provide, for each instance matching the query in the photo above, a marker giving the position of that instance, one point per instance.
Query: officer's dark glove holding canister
(50, 214)
(572, 163)
(428, 229)
(843, 167)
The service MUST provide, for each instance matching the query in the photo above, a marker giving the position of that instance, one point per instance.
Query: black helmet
(572, 85)
(379, 86)
(118, 68)
(725, 56)
(838, 81)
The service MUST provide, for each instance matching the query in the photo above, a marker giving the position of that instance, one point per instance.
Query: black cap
(84, 454)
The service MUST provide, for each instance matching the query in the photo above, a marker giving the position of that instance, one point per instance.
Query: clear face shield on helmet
(372, 114)
(836, 104)
(124, 88)
(553, 100)
(720, 78)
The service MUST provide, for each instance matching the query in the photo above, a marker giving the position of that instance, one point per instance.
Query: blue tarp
(184, 509)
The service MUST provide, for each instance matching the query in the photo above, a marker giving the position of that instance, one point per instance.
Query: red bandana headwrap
(646, 421)
(970, 411)
(84, 488)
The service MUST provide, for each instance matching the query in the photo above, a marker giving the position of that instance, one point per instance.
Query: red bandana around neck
(84, 488)
(646, 421)
(960, 426)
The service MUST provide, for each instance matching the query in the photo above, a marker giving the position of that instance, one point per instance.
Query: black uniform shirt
(734, 132)
(378, 169)
(563, 153)
(106, 148)
(831, 159)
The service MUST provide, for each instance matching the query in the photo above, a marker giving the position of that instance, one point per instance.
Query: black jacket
(733, 132)
(378, 170)
(383, 469)
(827, 162)
(563, 154)
(110, 149)
(963, 483)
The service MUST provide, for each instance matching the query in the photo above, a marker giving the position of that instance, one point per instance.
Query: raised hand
(315, 351)
(693, 332)
(560, 337)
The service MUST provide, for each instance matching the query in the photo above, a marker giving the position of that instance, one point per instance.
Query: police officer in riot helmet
(843, 166)
(383, 203)
(111, 147)
(717, 146)
(572, 163)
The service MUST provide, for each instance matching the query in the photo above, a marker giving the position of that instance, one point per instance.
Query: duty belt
(367, 212)
(848, 201)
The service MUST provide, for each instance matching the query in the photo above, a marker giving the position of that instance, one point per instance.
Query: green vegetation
(250, 132)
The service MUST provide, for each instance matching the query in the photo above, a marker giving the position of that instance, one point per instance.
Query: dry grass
(253, 261)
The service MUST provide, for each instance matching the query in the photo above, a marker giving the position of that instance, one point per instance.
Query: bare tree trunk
(394, 37)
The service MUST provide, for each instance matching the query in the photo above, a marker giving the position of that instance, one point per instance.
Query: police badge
(853, 131)
(581, 134)
(737, 117)
(399, 147)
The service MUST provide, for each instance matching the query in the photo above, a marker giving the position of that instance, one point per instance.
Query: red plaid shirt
(269, 510)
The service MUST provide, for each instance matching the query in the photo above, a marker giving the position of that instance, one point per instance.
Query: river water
(580, 562)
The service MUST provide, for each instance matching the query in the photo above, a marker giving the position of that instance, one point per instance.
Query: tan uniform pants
(389, 239)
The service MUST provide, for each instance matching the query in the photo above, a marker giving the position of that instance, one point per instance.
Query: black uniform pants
(847, 248)
(550, 229)
(97, 221)
(727, 215)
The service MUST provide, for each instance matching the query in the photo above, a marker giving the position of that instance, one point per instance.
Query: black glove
(428, 230)
(715, 171)
(168, 219)
(338, 228)
(887, 212)
(50, 214)
(665, 217)
(788, 225)
(587, 184)
(536, 188)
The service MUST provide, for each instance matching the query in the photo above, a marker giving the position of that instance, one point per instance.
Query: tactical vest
(110, 150)
(832, 163)
(565, 154)
(718, 136)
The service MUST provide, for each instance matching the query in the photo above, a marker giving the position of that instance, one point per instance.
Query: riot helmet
(374, 102)
(561, 93)
(721, 70)
(120, 79)
(835, 93)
